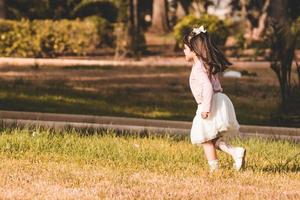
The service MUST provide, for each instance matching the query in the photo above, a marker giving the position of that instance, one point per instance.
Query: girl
(215, 113)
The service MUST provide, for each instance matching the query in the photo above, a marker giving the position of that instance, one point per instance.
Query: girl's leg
(223, 145)
(238, 153)
(209, 150)
(210, 153)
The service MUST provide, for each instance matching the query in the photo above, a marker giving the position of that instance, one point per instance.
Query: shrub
(48, 38)
(15, 39)
(105, 30)
(213, 24)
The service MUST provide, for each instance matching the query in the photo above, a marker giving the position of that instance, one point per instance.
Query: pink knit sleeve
(207, 89)
(207, 93)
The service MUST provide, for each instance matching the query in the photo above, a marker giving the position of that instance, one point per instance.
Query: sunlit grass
(41, 163)
(152, 152)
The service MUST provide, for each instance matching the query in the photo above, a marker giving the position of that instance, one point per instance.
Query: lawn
(41, 163)
(150, 92)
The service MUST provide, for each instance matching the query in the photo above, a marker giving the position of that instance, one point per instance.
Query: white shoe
(239, 158)
(213, 165)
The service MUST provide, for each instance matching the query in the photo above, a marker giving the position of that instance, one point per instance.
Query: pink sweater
(203, 88)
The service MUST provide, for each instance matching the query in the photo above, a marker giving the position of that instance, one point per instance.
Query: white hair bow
(199, 30)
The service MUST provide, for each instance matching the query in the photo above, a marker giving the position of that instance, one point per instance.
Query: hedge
(48, 38)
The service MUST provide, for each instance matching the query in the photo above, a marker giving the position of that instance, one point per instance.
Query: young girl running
(215, 115)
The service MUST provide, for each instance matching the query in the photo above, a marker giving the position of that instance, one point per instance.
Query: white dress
(220, 122)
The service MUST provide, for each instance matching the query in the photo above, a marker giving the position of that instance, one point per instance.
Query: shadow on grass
(57, 96)
(255, 102)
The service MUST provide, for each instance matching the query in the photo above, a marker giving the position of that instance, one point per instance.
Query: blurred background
(260, 37)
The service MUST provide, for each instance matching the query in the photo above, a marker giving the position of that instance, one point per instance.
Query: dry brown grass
(33, 179)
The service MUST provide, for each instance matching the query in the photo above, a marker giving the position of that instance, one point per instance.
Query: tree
(198, 7)
(40, 9)
(283, 44)
(254, 14)
(104, 8)
(130, 39)
(2, 9)
(160, 21)
(134, 27)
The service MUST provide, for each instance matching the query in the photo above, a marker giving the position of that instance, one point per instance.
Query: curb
(63, 62)
(60, 62)
(179, 128)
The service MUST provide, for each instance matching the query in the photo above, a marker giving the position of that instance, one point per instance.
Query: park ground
(42, 163)
(150, 92)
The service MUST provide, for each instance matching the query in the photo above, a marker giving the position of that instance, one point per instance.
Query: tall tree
(130, 39)
(160, 21)
(197, 7)
(2, 9)
(254, 14)
(135, 33)
(283, 44)
(200, 6)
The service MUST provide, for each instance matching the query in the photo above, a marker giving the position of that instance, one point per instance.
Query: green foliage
(63, 9)
(213, 24)
(15, 39)
(103, 8)
(48, 38)
(40, 9)
(296, 31)
(104, 29)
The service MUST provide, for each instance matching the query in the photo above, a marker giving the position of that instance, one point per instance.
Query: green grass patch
(157, 153)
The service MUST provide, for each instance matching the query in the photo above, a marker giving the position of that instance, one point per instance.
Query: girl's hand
(204, 115)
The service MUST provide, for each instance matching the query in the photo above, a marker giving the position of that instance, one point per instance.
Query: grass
(71, 164)
(150, 92)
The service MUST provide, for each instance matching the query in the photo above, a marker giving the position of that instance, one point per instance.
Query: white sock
(213, 164)
(224, 146)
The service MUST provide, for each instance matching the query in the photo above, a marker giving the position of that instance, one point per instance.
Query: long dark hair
(206, 49)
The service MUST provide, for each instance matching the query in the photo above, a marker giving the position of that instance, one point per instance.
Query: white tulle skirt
(221, 121)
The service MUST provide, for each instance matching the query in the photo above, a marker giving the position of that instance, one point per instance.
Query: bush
(213, 24)
(105, 30)
(48, 38)
(15, 39)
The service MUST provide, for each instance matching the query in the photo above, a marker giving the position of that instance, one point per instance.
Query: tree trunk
(278, 10)
(134, 30)
(197, 8)
(298, 70)
(247, 23)
(2, 9)
(258, 31)
(283, 46)
(160, 22)
(253, 32)
(181, 11)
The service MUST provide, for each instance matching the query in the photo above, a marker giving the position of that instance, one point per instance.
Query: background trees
(2, 9)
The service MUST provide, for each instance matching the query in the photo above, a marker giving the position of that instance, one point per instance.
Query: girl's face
(189, 54)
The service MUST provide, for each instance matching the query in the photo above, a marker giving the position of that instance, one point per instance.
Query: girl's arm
(207, 93)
